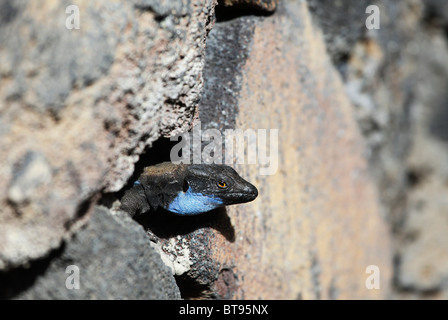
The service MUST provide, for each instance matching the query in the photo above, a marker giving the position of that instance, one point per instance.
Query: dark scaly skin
(159, 185)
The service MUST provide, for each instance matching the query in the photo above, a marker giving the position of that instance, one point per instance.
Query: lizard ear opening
(185, 186)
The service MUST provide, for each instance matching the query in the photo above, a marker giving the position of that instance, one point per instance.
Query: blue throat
(190, 203)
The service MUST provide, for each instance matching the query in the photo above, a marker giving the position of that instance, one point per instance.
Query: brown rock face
(80, 109)
(316, 224)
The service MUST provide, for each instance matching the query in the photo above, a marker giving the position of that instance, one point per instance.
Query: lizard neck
(190, 203)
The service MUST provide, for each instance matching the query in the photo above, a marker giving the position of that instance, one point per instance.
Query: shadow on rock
(165, 224)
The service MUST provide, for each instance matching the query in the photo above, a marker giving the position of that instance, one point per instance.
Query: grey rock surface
(115, 261)
(78, 106)
(342, 23)
(396, 78)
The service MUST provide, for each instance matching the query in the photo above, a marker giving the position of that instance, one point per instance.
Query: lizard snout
(251, 192)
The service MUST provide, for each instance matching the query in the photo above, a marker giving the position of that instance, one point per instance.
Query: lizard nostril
(252, 191)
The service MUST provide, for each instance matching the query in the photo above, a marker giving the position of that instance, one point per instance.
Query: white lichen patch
(175, 254)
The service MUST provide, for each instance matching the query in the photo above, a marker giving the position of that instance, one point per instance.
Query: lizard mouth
(251, 192)
(246, 194)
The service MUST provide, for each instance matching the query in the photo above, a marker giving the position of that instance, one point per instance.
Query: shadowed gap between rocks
(15, 281)
(162, 223)
(226, 13)
(239, 21)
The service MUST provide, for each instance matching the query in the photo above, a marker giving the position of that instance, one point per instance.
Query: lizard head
(219, 181)
(206, 187)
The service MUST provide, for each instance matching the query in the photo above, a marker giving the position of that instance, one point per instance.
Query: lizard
(186, 189)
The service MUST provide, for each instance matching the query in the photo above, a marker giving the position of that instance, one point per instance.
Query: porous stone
(78, 106)
(317, 223)
(109, 258)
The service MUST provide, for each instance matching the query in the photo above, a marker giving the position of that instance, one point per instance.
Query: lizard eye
(222, 184)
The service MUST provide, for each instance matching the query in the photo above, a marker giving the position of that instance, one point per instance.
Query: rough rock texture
(83, 110)
(115, 261)
(396, 78)
(341, 24)
(302, 238)
(421, 222)
(78, 106)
